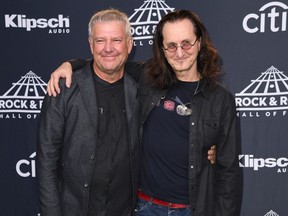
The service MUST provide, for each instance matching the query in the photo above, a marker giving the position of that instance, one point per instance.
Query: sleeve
(78, 63)
(135, 70)
(228, 176)
(48, 154)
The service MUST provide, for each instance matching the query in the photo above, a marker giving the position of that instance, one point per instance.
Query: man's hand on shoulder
(63, 71)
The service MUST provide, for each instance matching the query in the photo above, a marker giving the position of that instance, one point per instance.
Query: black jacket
(66, 145)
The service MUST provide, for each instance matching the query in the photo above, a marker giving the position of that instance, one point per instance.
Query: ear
(91, 42)
(130, 44)
(199, 44)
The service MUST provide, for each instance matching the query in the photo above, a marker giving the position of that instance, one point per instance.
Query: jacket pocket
(210, 131)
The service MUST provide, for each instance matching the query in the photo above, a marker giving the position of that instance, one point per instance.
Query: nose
(108, 46)
(179, 51)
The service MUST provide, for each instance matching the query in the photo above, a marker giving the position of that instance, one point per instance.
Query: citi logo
(145, 19)
(24, 99)
(272, 16)
(267, 95)
(249, 161)
(56, 25)
(26, 168)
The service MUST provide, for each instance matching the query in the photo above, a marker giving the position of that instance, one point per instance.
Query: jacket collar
(130, 92)
(86, 86)
(204, 89)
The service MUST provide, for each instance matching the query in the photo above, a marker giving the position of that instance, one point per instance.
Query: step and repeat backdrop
(251, 36)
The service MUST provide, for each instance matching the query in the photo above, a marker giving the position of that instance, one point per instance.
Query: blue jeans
(145, 208)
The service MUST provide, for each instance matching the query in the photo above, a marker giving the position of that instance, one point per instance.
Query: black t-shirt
(111, 185)
(164, 171)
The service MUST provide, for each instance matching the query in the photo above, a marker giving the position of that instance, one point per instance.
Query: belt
(160, 202)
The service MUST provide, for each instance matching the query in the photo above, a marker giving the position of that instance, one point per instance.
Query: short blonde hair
(110, 15)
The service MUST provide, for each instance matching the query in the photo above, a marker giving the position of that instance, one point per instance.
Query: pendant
(183, 110)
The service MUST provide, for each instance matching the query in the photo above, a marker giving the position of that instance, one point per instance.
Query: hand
(212, 154)
(64, 71)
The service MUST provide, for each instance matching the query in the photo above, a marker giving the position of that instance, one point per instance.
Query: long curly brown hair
(160, 73)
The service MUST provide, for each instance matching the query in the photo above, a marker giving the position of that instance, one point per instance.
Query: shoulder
(135, 69)
(217, 93)
(215, 88)
(80, 77)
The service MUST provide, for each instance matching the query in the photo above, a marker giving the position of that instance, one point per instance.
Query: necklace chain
(198, 83)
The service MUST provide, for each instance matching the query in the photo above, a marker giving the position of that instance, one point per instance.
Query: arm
(228, 185)
(48, 151)
(135, 70)
(63, 71)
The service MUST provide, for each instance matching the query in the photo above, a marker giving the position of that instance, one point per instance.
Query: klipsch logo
(267, 95)
(144, 20)
(271, 17)
(250, 161)
(57, 25)
(24, 99)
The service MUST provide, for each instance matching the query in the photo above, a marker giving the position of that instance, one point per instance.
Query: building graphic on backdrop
(145, 18)
(271, 213)
(24, 99)
(265, 96)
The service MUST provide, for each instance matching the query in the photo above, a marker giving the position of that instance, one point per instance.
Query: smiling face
(183, 62)
(110, 47)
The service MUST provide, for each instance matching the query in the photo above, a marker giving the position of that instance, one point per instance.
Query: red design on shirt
(169, 105)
